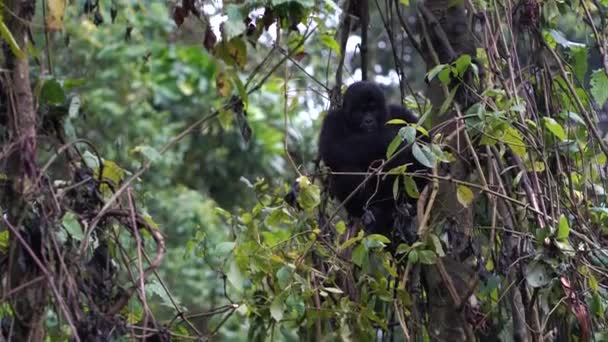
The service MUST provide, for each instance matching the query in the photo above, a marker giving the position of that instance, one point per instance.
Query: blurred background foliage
(141, 80)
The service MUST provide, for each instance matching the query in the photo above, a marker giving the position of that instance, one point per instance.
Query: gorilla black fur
(354, 137)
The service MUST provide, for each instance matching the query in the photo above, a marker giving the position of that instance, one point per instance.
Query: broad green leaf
(445, 76)
(340, 227)
(72, 226)
(284, 276)
(412, 257)
(277, 216)
(423, 155)
(411, 189)
(599, 86)
(330, 42)
(113, 172)
(234, 275)
(277, 308)
(462, 64)
(563, 229)
(464, 195)
(378, 237)
(513, 138)
(310, 194)
(52, 92)
(555, 128)
(223, 249)
(580, 65)
(560, 39)
(435, 71)
(359, 255)
(154, 287)
(427, 257)
(408, 134)
(149, 152)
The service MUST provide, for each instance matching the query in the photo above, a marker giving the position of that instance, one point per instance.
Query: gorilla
(352, 139)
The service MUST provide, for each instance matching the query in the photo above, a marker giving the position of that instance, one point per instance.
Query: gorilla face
(365, 106)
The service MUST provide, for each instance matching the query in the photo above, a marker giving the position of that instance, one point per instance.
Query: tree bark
(29, 307)
(451, 281)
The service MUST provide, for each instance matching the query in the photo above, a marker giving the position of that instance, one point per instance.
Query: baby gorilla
(351, 139)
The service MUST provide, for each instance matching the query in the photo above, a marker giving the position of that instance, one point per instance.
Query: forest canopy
(193, 170)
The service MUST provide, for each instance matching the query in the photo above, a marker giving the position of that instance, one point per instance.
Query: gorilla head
(365, 107)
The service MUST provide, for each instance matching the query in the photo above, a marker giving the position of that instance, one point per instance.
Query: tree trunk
(451, 281)
(29, 307)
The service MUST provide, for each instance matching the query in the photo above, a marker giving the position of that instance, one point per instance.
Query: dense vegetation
(159, 175)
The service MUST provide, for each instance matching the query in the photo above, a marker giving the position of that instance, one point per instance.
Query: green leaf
(580, 64)
(447, 103)
(435, 71)
(330, 42)
(408, 134)
(403, 248)
(277, 308)
(423, 155)
(72, 226)
(4, 242)
(464, 195)
(599, 86)
(277, 216)
(411, 189)
(513, 138)
(437, 244)
(333, 290)
(234, 275)
(462, 64)
(52, 92)
(555, 128)
(396, 122)
(396, 188)
(340, 227)
(223, 249)
(284, 276)
(412, 258)
(427, 257)
(149, 152)
(378, 237)
(154, 287)
(560, 39)
(444, 76)
(359, 255)
(393, 146)
(310, 194)
(563, 229)
(112, 172)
